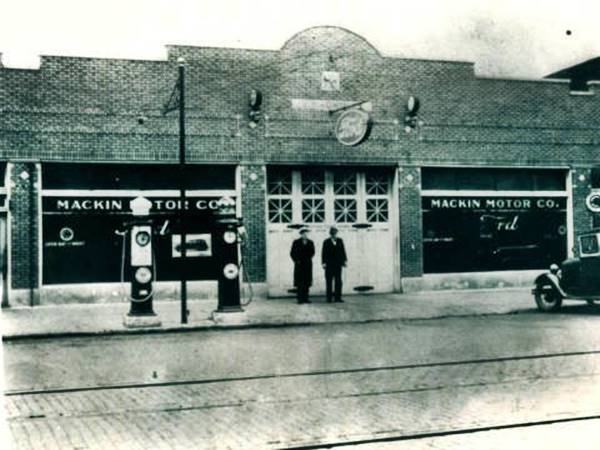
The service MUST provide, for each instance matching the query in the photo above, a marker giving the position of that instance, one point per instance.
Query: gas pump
(142, 268)
(226, 251)
(142, 265)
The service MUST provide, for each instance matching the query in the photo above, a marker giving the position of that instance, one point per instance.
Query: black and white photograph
(300, 225)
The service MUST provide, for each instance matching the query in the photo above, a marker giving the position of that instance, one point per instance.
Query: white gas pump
(142, 265)
(142, 262)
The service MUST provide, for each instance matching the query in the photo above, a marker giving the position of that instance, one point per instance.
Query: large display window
(84, 207)
(477, 229)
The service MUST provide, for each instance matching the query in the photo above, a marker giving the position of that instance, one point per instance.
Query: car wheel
(547, 298)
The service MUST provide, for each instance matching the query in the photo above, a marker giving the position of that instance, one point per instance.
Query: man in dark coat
(302, 253)
(333, 257)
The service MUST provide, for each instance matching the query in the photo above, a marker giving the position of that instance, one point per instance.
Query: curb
(241, 326)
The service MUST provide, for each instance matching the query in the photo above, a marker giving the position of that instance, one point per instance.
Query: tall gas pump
(141, 268)
(226, 250)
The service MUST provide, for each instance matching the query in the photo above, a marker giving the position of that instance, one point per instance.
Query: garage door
(358, 201)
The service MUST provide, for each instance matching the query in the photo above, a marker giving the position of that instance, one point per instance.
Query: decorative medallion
(352, 127)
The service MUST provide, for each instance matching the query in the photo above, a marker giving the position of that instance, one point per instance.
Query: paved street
(310, 386)
(580, 435)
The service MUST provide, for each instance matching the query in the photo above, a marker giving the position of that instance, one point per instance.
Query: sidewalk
(90, 319)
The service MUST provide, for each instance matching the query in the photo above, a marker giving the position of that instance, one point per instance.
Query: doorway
(358, 201)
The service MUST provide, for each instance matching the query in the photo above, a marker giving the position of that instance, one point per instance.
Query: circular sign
(142, 238)
(229, 237)
(143, 275)
(352, 127)
(593, 202)
(230, 271)
(66, 234)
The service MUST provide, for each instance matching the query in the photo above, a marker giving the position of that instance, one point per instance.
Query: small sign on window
(197, 245)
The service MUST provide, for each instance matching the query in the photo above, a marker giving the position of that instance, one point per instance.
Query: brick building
(462, 181)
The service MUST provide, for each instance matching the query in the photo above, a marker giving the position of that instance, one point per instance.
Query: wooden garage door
(357, 201)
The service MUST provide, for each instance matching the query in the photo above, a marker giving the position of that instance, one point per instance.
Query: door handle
(361, 225)
(363, 288)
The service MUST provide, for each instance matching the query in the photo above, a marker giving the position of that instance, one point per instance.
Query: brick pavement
(578, 435)
(290, 411)
(108, 318)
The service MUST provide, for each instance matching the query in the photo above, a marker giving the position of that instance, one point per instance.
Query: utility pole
(182, 187)
(177, 102)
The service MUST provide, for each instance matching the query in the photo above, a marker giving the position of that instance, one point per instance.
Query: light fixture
(410, 116)
(255, 103)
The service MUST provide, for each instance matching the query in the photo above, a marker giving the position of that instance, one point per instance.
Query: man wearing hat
(333, 257)
(302, 253)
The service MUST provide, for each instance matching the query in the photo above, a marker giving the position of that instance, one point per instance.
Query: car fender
(552, 279)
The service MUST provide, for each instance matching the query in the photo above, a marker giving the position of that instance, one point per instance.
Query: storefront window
(488, 219)
(84, 205)
(490, 179)
(474, 234)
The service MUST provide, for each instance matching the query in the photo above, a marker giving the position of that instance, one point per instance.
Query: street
(401, 384)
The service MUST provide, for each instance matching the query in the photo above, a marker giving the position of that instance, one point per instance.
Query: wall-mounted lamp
(411, 119)
(255, 103)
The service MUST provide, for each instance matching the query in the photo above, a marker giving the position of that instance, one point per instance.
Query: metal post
(182, 180)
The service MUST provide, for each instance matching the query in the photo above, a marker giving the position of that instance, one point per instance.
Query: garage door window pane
(313, 210)
(280, 210)
(313, 183)
(280, 183)
(344, 183)
(345, 210)
(377, 210)
(377, 184)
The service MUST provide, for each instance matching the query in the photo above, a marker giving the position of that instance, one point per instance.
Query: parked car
(574, 279)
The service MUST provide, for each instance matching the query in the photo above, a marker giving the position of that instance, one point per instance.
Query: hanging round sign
(352, 127)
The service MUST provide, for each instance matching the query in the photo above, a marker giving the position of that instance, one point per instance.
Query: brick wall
(253, 184)
(582, 218)
(24, 180)
(411, 226)
(86, 109)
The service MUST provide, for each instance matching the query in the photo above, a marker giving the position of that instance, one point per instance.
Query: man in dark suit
(302, 253)
(333, 257)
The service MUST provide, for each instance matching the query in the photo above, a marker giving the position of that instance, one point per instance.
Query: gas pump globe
(141, 268)
(226, 255)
